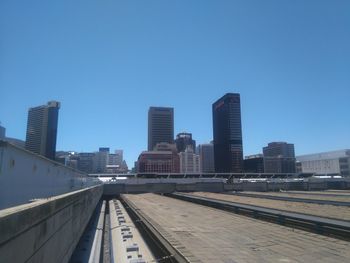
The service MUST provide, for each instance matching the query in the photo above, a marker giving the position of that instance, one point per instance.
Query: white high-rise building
(189, 161)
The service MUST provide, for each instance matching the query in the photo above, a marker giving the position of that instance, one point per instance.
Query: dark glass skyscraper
(160, 126)
(42, 129)
(227, 131)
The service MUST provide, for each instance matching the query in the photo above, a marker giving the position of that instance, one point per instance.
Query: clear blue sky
(108, 61)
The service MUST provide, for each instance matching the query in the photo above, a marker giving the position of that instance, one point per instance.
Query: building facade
(2, 133)
(164, 159)
(42, 129)
(206, 158)
(279, 157)
(119, 157)
(86, 162)
(101, 160)
(227, 131)
(189, 161)
(183, 140)
(160, 126)
(254, 164)
(158, 162)
(326, 163)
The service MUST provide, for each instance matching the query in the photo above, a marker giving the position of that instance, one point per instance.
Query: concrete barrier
(185, 187)
(209, 187)
(254, 186)
(163, 185)
(46, 230)
(116, 189)
(308, 184)
(25, 176)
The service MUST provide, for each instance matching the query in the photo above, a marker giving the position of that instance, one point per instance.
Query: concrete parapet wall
(185, 187)
(115, 189)
(250, 186)
(25, 176)
(309, 184)
(46, 230)
(209, 187)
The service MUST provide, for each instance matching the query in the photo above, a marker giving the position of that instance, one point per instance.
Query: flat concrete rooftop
(329, 211)
(342, 196)
(205, 234)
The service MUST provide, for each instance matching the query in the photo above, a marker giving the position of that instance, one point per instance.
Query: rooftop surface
(329, 211)
(205, 234)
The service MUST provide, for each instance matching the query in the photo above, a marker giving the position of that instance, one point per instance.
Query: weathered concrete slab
(330, 211)
(46, 230)
(25, 176)
(211, 235)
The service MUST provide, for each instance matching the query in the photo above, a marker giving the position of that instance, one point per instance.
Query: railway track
(120, 231)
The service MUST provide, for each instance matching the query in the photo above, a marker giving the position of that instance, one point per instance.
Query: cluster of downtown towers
(227, 132)
(163, 154)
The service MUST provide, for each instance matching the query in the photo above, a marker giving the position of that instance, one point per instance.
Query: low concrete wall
(25, 176)
(308, 184)
(46, 230)
(250, 186)
(209, 187)
(115, 189)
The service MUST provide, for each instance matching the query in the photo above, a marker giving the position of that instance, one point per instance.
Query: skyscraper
(42, 129)
(227, 131)
(206, 154)
(160, 126)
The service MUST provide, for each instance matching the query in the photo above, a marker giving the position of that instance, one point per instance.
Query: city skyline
(289, 62)
(204, 143)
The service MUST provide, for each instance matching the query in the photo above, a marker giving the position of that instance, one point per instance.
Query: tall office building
(183, 140)
(42, 129)
(279, 157)
(227, 131)
(160, 126)
(206, 155)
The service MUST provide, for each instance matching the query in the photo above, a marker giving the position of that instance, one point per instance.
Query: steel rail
(173, 254)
